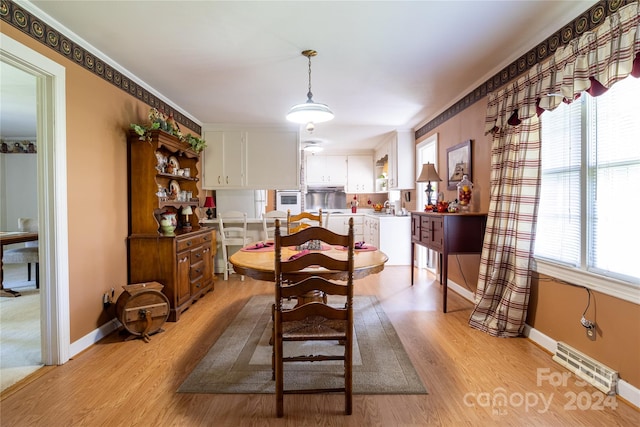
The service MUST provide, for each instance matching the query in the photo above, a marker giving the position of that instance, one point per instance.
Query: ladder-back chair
(232, 226)
(313, 320)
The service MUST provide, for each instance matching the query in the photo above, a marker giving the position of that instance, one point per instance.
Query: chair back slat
(302, 220)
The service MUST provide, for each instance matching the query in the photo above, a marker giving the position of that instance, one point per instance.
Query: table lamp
(186, 211)
(427, 175)
(209, 203)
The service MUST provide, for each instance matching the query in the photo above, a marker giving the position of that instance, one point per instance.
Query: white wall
(18, 189)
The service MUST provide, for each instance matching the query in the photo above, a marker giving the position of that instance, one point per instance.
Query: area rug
(240, 361)
(20, 353)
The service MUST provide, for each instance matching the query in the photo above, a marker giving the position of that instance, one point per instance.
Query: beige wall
(555, 308)
(98, 117)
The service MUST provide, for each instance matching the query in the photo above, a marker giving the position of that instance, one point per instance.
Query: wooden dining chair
(268, 223)
(232, 227)
(302, 220)
(313, 320)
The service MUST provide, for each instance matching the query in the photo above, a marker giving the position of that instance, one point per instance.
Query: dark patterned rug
(240, 361)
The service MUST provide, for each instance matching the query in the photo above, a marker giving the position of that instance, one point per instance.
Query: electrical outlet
(591, 332)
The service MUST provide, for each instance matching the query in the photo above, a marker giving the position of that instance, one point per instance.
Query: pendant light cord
(309, 94)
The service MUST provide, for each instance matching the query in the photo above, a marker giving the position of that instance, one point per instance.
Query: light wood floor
(117, 383)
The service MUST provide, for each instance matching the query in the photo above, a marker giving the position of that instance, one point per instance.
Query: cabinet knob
(189, 243)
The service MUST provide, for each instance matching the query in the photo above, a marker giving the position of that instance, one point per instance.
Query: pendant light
(310, 111)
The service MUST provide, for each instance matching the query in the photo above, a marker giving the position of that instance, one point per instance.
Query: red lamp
(209, 203)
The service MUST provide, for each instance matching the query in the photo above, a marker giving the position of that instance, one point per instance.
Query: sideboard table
(447, 234)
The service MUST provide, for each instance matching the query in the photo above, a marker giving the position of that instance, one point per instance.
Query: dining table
(9, 238)
(259, 263)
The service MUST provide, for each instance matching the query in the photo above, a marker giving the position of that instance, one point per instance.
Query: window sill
(606, 285)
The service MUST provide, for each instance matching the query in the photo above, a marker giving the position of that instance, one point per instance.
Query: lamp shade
(309, 112)
(428, 173)
(209, 203)
(187, 210)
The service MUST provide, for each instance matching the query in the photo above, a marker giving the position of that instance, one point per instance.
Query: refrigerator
(253, 202)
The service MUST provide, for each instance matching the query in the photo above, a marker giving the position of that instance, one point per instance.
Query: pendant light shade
(310, 111)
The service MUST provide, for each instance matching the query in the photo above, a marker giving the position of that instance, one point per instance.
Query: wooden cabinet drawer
(189, 243)
(197, 270)
(425, 228)
(196, 255)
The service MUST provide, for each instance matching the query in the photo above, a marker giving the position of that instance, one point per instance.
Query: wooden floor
(473, 379)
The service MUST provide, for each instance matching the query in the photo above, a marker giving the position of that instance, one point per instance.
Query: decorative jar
(168, 223)
(465, 190)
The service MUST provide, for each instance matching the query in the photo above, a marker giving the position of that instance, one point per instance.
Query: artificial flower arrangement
(160, 121)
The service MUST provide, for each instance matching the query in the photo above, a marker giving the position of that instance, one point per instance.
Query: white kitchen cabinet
(223, 159)
(392, 235)
(273, 160)
(250, 159)
(371, 231)
(400, 166)
(360, 174)
(326, 170)
(339, 223)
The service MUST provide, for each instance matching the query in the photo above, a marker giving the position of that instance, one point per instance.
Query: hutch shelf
(182, 261)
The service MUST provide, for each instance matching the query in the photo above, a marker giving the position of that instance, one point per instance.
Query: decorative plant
(161, 121)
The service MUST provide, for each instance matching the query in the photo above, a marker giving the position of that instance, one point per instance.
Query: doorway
(52, 195)
(426, 152)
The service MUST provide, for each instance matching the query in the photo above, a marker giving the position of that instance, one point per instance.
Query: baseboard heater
(600, 376)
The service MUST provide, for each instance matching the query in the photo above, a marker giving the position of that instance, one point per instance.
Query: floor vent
(600, 376)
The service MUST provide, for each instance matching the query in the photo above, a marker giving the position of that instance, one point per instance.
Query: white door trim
(52, 195)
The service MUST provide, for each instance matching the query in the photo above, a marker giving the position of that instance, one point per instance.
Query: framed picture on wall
(458, 163)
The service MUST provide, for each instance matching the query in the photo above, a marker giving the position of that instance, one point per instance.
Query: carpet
(240, 361)
(20, 353)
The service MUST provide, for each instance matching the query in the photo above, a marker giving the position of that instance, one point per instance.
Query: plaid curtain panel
(503, 282)
(593, 62)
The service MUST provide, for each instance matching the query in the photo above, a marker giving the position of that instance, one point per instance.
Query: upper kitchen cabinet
(223, 159)
(326, 170)
(273, 159)
(360, 174)
(400, 160)
(251, 158)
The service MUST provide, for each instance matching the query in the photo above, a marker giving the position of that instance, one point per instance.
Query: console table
(447, 234)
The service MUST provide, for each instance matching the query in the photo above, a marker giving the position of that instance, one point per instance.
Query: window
(587, 229)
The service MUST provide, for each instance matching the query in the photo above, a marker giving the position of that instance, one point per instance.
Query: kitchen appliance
(289, 200)
(252, 202)
(325, 198)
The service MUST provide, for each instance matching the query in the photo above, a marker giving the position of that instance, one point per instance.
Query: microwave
(289, 200)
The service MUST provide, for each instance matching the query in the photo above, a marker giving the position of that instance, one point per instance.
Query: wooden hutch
(182, 262)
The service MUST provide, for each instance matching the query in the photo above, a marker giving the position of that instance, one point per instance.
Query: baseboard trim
(93, 337)
(460, 290)
(626, 391)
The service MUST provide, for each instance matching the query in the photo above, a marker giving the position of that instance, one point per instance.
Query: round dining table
(260, 264)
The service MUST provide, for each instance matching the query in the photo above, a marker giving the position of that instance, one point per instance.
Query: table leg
(413, 249)
(444, 278)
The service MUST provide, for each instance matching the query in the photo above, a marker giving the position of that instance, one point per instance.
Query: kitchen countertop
(341, 212)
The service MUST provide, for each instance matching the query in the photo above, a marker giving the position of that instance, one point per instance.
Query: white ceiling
(381, 65)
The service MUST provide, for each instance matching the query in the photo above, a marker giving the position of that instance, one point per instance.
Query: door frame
(52, 195)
